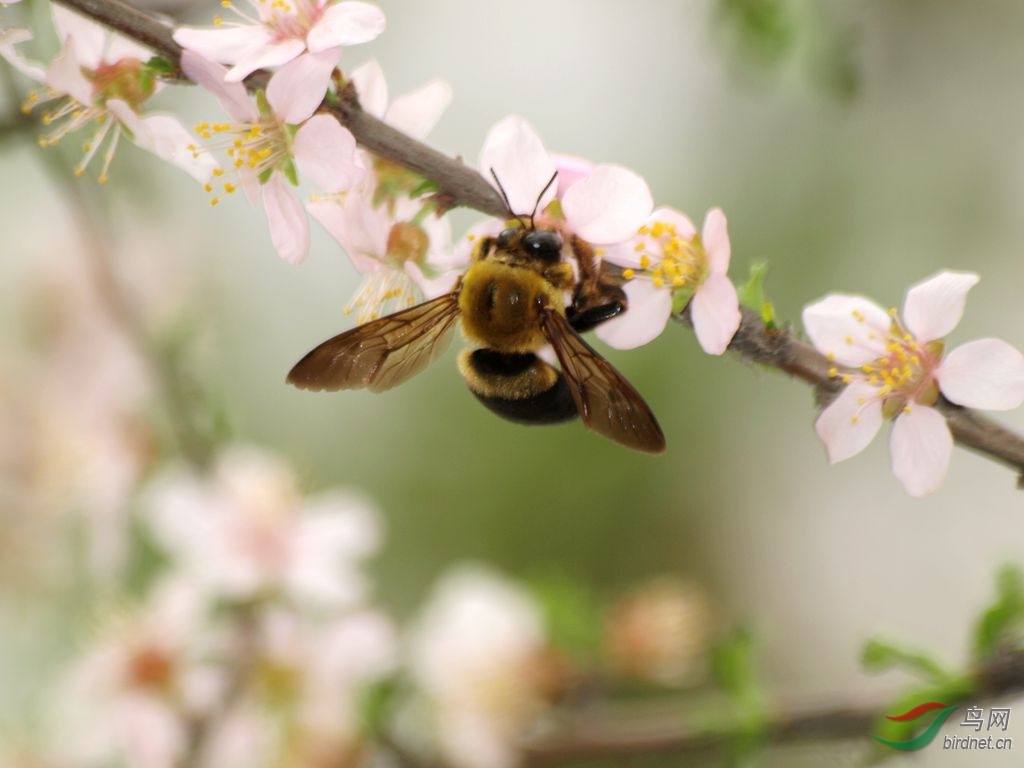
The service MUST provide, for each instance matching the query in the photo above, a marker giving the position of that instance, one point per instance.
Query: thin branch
(459, 185)
(615, 735)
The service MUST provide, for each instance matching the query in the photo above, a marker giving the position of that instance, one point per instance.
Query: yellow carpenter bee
(511, 304)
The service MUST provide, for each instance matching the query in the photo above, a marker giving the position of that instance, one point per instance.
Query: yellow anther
(229, 188)
(629, 274)
(833, 372)
(645, 261)
(214, 200)
(849, 339)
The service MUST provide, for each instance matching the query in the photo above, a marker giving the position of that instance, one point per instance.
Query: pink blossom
(307, 33)
(268, 155)
(897, 368)
(402, 250)
(102, 80)
(606, 206)
(667, 263)
(414, 114)
(247, 532)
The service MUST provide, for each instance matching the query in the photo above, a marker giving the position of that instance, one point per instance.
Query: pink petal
(371, 87)
(225, 45)
(465, 245)
(715, 237)
(325, 152)
(833, 328)
(361, 229)
(678, 220)
(289, 230)
(166, 138)
(921, 447)
(9, 38)
(715, 309)
(233, 97)
(987, 373)
(850, 422)
(299, 87)
(65, 74)
(270, 54)
(432, 287)
(346, 23)
(644, 320)
(608, 206)
(516, 155)
(934, 307)
(417, 112)
(570, 170)
(90, 38)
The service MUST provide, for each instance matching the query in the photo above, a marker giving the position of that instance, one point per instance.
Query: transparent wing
(607, 403)
(382, 353)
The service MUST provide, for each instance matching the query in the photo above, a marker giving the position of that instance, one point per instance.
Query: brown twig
(615, 735)
(462, 186)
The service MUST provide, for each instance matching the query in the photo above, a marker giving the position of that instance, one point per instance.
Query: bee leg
(597, 297)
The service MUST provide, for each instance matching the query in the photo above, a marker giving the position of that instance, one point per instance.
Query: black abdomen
(519, 387)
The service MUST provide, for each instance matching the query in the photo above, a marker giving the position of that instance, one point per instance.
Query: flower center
(256, 150)
(904, 374)
(286, 19)
(129, 80)
(668, 259)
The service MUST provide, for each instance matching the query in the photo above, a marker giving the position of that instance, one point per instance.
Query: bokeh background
(854, 147)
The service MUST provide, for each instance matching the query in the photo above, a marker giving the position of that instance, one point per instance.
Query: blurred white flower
(130, 699)
(474, 658)
(246, 531)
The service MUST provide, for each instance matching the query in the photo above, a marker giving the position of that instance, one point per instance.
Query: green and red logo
(924, 738)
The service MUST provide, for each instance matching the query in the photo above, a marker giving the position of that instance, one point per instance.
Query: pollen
(629, 274)
(682, 264)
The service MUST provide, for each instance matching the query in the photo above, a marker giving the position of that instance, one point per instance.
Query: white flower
(247, 533)
(896, 369)
(472, 655)
(309, 33)
(102, 80)
(267, 152)
(667, 260)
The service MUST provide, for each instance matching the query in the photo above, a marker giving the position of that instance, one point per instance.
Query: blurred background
(854, 147)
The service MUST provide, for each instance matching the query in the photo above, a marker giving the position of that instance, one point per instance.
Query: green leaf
(288, 169)
(159, 65)
(951, 692)
(734, 670)
(571, 613)
(752, 293)
(377, 704)
(1003, 622)
(424, 187)
(880, 655)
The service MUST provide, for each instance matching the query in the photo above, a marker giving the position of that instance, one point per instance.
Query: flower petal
(224, 45)
(166, 138)
(934, 307)
(644, 320)
(515, 154)
(289, 230)
(608, 206)
(233, 97)
(361, 229)
(833, 328)
(921, 446)
(715, 236)
(297, 89)
(417, 112)
(90, 38)
(987, 373)
(346, 23)
(850, 422)
(9, 39)
(570, 170)
(325, 152)
(372, 88)
(715, 309)
(269, 54)
(65, 74)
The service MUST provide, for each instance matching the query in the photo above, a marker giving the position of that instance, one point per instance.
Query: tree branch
(462, 186)
(615, 735)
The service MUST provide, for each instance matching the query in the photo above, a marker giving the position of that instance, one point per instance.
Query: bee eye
(505, 238)
(543, 243)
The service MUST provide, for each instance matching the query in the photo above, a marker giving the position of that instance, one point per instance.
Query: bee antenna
(504, 197)
(537, 204)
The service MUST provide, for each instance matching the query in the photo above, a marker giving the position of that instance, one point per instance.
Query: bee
(511, 304)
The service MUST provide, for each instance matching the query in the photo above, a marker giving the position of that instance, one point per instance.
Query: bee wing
(382, 353)
(607, 402)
